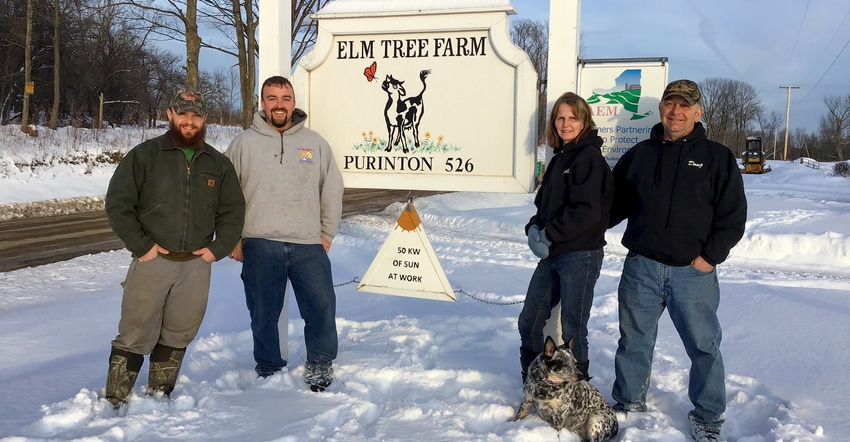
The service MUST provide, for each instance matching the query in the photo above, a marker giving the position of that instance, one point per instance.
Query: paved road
(37, 241)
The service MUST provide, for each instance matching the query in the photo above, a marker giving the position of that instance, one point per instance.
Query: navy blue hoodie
(574, 201)
(682, 199)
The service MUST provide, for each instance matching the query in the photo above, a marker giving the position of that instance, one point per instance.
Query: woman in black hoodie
(568, 231)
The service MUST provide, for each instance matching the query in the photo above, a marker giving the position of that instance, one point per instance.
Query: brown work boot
(123, 370)
(165, 365)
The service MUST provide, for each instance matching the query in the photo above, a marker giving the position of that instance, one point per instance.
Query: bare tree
(218, 91)
(533, 37)
(161, 74)
(237, 25)
(304, 29)
(716, 109)
(802, 144)
(730, 107)
(54, 112)
(27, 69)
(834, 127)
(247, 55)
(80, 50)
(236, 22)
(747, 109)
(174, 19)
(768, 128)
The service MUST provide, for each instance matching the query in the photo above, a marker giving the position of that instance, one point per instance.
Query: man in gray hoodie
(293, 192)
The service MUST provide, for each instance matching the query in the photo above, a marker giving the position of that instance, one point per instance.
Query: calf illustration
(403, 114)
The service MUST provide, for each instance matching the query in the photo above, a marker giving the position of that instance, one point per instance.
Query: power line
(824, 74)
(797, 38)
(834, 34)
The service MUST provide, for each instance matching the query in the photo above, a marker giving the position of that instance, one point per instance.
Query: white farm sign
(424, 99)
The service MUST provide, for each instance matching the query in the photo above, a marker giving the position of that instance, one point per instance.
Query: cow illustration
(403, 114)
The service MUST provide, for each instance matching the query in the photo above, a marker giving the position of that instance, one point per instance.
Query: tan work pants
(164, 302)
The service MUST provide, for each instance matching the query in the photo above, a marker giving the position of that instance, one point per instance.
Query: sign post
(561, 77)
(275, 36)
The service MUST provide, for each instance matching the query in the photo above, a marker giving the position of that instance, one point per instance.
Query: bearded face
(278, 103)
(278, 117)
(187, 129)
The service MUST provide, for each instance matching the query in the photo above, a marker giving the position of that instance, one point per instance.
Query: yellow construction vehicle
(753, 158)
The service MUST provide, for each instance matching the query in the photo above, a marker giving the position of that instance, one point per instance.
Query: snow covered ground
(427, 370)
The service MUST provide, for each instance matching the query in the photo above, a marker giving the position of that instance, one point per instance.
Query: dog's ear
(549, 347)
(570, 343)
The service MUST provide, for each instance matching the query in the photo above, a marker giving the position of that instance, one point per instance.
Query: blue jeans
(691, 297)
(266, 267)
(568, 278)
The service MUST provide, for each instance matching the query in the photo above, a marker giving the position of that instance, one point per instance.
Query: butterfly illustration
(370, 71)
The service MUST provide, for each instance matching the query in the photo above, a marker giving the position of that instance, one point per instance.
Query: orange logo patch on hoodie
(306, 155)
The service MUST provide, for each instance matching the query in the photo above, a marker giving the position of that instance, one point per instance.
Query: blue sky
(765, 43)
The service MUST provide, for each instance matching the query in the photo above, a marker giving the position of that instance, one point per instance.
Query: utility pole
(787, 114)
(775, 135)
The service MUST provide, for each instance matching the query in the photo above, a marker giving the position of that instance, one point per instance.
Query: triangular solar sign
(406, 265)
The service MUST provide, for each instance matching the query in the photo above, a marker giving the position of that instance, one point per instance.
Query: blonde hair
(580, 109)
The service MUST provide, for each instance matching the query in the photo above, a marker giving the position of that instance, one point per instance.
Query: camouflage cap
(686, 89)
(188, 100)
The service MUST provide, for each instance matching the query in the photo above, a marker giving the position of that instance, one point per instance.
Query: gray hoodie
(292, 185)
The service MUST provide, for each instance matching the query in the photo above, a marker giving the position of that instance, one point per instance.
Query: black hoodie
(683, 198)
(574, 201)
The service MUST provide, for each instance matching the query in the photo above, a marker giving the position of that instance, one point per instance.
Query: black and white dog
(554, 388)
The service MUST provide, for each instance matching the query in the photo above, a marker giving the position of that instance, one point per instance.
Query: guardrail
(808, 162)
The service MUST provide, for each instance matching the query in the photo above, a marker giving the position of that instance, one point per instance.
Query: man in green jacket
(177, 205)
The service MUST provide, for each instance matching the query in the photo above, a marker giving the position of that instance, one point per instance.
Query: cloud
(707, 34)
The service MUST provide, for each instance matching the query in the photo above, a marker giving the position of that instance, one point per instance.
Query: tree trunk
(245, 87)
(26, 104)
(251, 52)
(54, 113)
(193, 44)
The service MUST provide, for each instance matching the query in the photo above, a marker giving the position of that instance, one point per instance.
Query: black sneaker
(704, 432)
(318, 374)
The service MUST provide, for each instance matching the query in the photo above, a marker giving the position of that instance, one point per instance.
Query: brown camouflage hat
(188, 100)
(686, 89)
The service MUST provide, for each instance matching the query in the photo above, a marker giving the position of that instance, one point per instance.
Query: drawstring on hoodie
(297, 117)
(281, 147)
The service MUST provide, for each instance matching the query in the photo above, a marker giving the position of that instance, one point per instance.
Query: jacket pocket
(145, 211)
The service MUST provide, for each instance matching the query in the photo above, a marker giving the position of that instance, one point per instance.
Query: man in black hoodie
(683, 196)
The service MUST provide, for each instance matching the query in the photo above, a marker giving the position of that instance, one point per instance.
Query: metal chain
(353, 281)
(486, 301)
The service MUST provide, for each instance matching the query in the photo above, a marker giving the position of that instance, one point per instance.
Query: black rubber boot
(526, 357)
(582, 369)
(164, 368)
(123, 370)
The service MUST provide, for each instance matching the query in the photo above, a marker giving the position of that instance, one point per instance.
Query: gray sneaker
(704, 432)
(319, 374)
